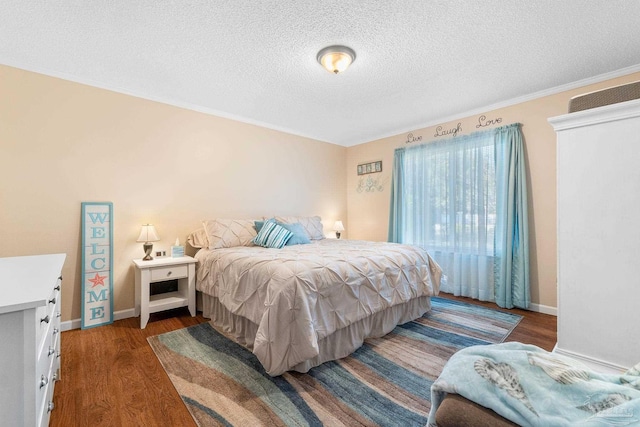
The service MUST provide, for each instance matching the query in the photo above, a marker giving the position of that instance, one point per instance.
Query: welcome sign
(97, 264)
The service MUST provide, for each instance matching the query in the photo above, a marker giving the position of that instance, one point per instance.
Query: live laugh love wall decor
(482, 122)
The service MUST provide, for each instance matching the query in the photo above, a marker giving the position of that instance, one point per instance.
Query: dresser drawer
(46, 315)
(168, 273)
(48, 354)
(42, 398)
(48, 348)
(46, 407)
(46, 367)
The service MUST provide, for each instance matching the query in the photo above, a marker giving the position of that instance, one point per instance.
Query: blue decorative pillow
(259, 224)
(272, 235)
(299, 234)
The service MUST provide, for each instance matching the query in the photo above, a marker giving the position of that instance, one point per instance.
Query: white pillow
(198, 239)
(227, 233)
(311, 224)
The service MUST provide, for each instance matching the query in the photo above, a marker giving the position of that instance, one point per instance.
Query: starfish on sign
(98, 280)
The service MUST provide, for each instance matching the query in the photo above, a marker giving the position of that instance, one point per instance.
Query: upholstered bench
(456, 411)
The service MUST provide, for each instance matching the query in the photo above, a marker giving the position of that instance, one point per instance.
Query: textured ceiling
(418, 62)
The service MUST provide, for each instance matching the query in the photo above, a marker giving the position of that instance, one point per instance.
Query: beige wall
(63, 143)
(369, 210)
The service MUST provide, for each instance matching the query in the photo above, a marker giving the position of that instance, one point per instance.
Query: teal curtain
(396, 224)
(511, 268)
(464, 200)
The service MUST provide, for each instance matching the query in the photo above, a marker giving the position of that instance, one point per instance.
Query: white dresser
(599, 235)
(29, 337)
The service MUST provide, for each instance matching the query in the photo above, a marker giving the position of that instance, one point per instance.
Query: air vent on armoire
(612, 95)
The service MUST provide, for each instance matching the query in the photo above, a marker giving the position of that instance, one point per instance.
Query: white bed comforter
(300, 294)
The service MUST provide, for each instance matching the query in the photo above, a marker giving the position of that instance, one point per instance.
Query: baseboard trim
(592, 362)
(544, 309)
(76, 323)
(125, 314)
(119, 315)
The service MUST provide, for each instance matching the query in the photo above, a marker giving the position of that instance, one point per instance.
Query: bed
(303, 304)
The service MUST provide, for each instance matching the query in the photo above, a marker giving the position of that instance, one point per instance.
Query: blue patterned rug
(384, 383)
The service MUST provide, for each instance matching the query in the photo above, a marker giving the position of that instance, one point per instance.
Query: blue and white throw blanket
(531, 386)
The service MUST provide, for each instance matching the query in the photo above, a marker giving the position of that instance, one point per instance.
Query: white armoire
(598, 183)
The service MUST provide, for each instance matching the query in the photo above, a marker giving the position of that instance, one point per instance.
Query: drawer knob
(52, 301)
(60, 277)
(58, 355)
(50, 406)
(54, 377)
(43, 381)
(58, 314)
(57, 288)
(45, 319)
(51, 351)
(55, 331)
(169, 273)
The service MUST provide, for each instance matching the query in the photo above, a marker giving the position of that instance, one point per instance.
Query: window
(450, 205)
(450, 197)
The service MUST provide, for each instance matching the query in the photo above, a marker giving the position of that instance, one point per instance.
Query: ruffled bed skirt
(340, 344)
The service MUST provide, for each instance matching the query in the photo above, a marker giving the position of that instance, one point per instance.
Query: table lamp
(147, 235)
(338, 227)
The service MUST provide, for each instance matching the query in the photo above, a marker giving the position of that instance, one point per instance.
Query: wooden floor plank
(111, 377)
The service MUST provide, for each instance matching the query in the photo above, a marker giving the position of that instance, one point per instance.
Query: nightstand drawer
(168, 273)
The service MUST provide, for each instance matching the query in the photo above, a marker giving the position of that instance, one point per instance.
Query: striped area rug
(384, 383)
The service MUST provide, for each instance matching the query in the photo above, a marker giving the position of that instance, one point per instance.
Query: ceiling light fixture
(336, 59)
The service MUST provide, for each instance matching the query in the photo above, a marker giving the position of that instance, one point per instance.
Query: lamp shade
(338, 226)
(336, 59)
(148, 234)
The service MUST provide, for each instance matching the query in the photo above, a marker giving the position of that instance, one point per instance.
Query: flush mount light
(336, 59)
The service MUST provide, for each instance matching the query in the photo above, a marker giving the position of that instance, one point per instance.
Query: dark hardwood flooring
(534, 328)
(111, 377)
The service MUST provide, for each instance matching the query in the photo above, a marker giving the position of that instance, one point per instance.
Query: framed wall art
(371, 167)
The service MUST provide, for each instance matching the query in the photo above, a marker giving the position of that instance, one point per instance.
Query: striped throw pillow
(272, 235)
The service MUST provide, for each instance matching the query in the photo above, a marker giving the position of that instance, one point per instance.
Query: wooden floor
(111, 377)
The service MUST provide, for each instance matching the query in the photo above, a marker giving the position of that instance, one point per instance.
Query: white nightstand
(160, 270)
